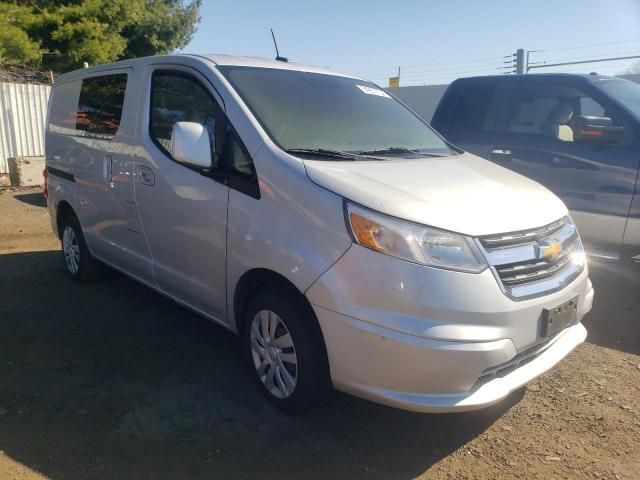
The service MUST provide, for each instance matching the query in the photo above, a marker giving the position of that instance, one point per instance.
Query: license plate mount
(558, 318)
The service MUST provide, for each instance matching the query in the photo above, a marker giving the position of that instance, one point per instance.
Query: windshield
(625, 92)
(311, 111)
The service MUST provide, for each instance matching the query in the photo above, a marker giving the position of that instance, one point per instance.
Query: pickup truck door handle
(500, 153)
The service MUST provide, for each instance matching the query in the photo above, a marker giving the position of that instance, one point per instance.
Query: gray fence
(23, 110)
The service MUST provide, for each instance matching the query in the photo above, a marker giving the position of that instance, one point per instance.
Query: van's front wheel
(286, 351)
(81, 266)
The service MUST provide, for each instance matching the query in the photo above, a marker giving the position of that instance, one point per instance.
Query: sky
(433, 42)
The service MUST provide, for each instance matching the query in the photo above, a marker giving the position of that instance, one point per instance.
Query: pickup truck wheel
(286, 352)
(81, 266)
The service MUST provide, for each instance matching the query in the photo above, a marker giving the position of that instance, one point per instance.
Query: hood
(462, 193)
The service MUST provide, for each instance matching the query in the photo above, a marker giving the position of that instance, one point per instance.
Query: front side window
(177, 97)
(305, 110)
(625, 92)
(550, 110)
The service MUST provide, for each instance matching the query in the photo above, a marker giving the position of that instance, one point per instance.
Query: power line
(457, 61)
(409, 67)
(594, 60)
(456, 73)
(585, 46)
(493, 65)
(585, 57)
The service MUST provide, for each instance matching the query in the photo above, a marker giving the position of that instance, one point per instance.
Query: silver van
(321, 219)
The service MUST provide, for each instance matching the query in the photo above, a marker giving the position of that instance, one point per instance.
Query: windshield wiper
(321, 152)
(397, 151)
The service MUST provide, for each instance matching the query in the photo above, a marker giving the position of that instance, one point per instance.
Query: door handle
(108, 167)
(499, 153)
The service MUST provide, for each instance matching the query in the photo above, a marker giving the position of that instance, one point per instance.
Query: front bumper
(420, 338)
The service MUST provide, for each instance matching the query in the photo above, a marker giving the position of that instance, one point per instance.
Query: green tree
(16, 46)
(62, 34)
(163, 26)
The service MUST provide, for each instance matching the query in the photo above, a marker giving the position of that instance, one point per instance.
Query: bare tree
(633, 69)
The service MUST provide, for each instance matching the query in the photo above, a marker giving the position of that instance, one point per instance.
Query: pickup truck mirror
(191, 144)
(596, 130)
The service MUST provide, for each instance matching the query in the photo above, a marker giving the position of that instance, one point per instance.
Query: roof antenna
(278, 57)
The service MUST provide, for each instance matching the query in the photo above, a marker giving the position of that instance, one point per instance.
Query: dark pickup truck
(579, 135)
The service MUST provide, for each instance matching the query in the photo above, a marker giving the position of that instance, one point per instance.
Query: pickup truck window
(626, 92)
(550, 109)
(316, 111)
(471, 113)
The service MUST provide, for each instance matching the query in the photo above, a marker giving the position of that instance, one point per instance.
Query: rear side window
(100, 105)
(472, 112)
(91, 107)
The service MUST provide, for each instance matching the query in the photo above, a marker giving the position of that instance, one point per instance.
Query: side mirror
(596, 130)
(191, 144)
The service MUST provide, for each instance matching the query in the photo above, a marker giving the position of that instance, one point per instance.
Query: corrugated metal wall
(23, 111)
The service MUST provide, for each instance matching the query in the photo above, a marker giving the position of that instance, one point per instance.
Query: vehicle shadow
(36, 199)
(614, 321)
(111, 380)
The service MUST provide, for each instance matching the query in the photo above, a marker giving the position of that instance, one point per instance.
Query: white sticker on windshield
(373, 91)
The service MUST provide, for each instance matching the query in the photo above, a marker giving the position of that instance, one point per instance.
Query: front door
(596, 182)
(183, 212)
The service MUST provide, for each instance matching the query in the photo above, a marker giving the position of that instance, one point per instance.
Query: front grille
(518, 238)
(519, 262)
(534, 270)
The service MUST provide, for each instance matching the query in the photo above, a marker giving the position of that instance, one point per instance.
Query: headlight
(412, 242)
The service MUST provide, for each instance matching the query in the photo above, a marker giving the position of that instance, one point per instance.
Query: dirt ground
(113, 381)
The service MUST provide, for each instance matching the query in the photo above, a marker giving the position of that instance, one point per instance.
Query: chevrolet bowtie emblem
(549, 249)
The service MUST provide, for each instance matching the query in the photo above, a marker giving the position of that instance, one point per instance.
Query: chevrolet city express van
(318, 217)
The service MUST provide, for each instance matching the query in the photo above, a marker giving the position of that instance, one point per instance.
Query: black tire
(88, 268)
(313, 382)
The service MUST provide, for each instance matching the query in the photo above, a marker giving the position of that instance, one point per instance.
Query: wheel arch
(63, 210)
(259, 280)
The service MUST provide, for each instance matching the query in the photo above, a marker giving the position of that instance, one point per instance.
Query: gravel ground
(113, 381)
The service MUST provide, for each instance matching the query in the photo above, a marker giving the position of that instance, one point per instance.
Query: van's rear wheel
(81, 266)
(286, 351)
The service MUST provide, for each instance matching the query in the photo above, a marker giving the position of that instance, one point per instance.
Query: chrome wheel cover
(71, 250)
(274, 355)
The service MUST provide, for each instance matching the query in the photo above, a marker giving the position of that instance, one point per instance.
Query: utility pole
(521, 67)
(517, 63)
